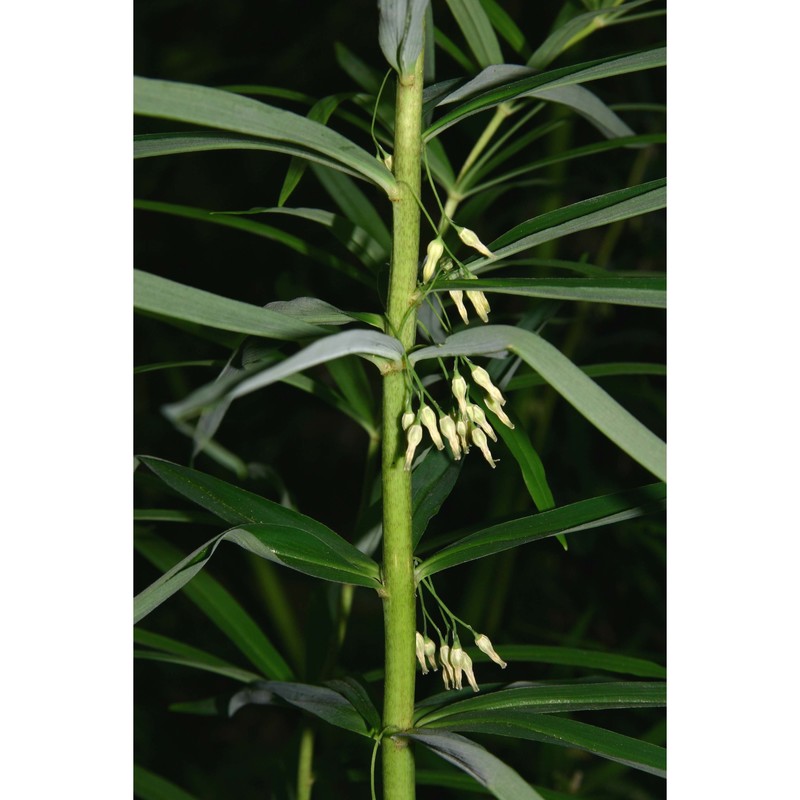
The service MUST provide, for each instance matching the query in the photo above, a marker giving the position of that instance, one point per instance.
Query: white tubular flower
(430, 652)
(476, 414)
(479, 438)
(421, 653)
(484, 644)
(435, 250)
(447, 670)
(459, 387)
(497, 410)
(466, 665)
(470, 239)
(414, 438)
(407, 420)
(461, 430)
(479, 303)
(457, 663)
(458, 298)
(448, 428)
(481, 377)
(428, 419)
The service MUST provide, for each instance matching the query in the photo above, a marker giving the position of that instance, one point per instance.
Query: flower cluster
(465, 426)
(455, 661)
(433, 256)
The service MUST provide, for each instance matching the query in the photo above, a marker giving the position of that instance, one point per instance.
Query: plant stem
(398, 564)
(305, 775)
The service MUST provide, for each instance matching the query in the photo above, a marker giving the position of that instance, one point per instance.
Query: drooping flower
(497, 410)
(457, 663)
(414, 435)
(479, 438)
(459, 386)
(434, 253)
(428, 419)
(479, 303)
(466, 665)
(483, 379)
(447, 670)
(461, 430)
(430, 652)
(420, 645)
(448, 428)
(470, 239)
(484, 644)
(407, 420)
(458, 298)
(476, 414)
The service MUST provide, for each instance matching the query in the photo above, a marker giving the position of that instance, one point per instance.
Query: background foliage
(605, 593)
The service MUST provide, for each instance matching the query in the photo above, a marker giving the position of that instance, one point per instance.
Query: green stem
(398, 564)
(305, 775)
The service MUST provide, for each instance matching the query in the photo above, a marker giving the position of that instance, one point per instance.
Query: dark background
(606, 593)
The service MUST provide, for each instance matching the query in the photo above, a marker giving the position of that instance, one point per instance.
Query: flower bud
(466, 665)
(475, 413)
(435, 250)
(448, 428)
(414, 438)
(388, 162)
(430, 652)
(458, 298)
(407, 420)
(420, 644)
(428, 419)
(484, 644)
(497, 410)
(479, 438)
(459, 387)
(480, 304)
(470, 238)
(481, 377)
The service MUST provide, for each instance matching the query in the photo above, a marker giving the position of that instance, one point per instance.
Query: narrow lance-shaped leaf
(401, 32)
(321, 554)
(647, 292)
(583, 515)
(546, 81)
(574, 657)
(574, 30)
(149, 786)
(554, 729)
(356, 342)
(320, 112)
(500, 779)
(584, 215)
(321, 701)
(186, 655)
(235, 221)
(202, 105)
(568, 380)
(222, 609)
(167, 298)
(579, 99)
(550, 698)
(268, 529)
(477, 30)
